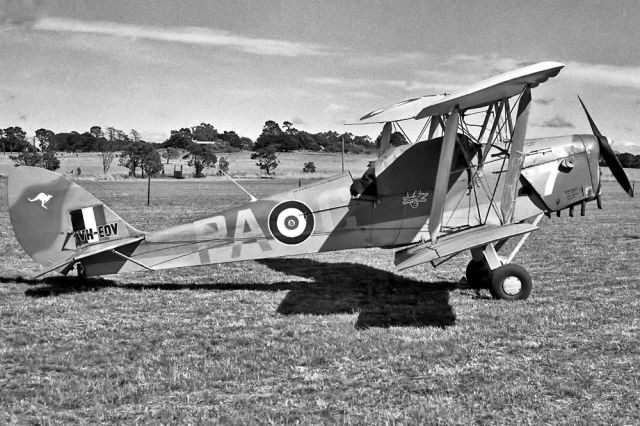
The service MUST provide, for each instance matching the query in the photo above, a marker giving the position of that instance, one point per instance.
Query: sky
(158, 65)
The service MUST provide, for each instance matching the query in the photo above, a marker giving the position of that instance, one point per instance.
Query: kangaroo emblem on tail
(43, 198)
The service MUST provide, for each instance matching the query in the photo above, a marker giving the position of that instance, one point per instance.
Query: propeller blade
(608, 155)
(594, 128)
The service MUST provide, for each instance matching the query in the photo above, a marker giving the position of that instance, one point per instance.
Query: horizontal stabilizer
(457, 242)
(88, 251)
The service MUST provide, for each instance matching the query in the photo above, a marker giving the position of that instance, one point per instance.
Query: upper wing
(481, 94)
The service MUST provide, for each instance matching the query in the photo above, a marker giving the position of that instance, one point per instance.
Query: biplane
(469, 181)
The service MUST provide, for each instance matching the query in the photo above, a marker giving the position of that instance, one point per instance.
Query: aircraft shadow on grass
(380, 298)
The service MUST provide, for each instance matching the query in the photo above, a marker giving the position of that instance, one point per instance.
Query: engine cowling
(561, 172)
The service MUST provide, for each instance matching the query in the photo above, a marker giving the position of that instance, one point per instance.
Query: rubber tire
(478, 274)
(499, 276)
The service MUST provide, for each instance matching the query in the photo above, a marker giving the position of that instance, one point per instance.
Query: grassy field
(330, 338)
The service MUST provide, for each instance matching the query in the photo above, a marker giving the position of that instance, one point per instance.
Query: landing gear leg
(81, 270)
(478, 274)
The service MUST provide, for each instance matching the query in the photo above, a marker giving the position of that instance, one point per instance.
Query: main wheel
(510, 282)
(478, 274)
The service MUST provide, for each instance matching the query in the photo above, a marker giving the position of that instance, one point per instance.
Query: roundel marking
(291, 222)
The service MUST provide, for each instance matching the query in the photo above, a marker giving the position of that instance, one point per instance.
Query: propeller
(608, 155)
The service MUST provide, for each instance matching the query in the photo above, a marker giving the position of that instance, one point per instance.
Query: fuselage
(388, 207)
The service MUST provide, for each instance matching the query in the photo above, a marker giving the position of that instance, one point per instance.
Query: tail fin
(53, 217)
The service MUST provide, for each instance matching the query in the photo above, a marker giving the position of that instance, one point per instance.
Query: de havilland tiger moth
(457, 187)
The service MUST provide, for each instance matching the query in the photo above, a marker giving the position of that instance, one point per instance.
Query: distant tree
(268, 141)
(50, 161)
(364, 141)
(354, 149)
(204, 132)
(627, 160)
(111, 133)
(309, 167)
(151, 164)
(307, 141)
(202, 157)
(69, 142)
(28, 158)
(87, 143)
(289, 143)
(171, 153)
(273, 137)
(14, 139)
(46, 160)
(182, 139)
(247, 143)
(289, 129)
(232, 139)
(48, 148)
(119, 138)
(135, 135)
(223, 166)
(107, 153)
(96, 132)
(141, 155)
(122, 137)
(330, 141)
(397, 139)
(46, 140)
(267, 159)
(271, 128)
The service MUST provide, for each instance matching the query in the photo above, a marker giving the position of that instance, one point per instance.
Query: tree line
(14, 139)
(143, 158)
(198, 145)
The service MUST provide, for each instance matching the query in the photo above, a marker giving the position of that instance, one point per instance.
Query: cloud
(333, 107)
(382, 60)
(478, 67)
(187, 35)
(630, 147)
(412, 86)
(607, 75)
(18, 12)
(557, 122)
(469, 69)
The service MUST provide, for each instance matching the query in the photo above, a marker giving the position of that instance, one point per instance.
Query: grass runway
(327, 338)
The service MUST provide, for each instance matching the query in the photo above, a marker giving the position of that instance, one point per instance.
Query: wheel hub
(512, 285)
